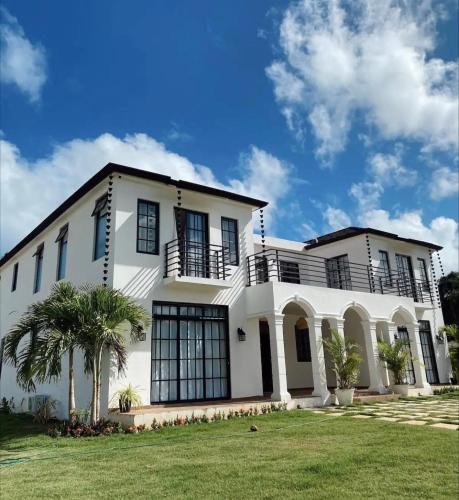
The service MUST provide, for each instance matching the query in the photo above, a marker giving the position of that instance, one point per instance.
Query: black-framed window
(190, 352)
(261, 269)
(385, 267)
(428, 352)
(289, 271)
(403, 335)
(339, 272)
(303, 346)
(61, 240)
(38, 267)
(100, 226)
(423, 273)
(147, 227)
(230, 240)
(14, 281)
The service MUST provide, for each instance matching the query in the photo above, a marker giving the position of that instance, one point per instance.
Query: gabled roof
(352, 231)
(111, 168)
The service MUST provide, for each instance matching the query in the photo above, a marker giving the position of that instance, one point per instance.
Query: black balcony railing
(293, 267)
(194, 259)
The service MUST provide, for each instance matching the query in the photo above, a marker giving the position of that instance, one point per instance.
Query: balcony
(293, 267)
(195, 263)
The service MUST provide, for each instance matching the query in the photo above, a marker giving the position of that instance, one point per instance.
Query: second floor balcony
(196, 263)
(337, 272)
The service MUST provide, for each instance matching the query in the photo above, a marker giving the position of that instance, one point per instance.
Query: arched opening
(402, 320)
(353, 329)
(297, 349)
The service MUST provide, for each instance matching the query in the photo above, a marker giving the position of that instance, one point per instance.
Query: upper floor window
(15, 277)
(100, 231)
(38, 267)
(230, 240)
(289, 271)
(147, 227)
(339, 272)
(423, 274)
(303, 347)
(385, 267)
(62, 252)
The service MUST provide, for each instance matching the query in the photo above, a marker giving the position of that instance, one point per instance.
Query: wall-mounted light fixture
(142, 336)
(395, 336)
(241, 334)
(440, 339)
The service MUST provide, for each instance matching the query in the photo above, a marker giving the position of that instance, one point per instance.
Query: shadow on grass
(18, 426)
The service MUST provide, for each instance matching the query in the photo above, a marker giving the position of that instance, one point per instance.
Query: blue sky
(336, 113)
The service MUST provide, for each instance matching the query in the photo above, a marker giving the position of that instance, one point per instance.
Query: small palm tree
(346, 359)
(46, 332)
(104, 314)
(396, 356)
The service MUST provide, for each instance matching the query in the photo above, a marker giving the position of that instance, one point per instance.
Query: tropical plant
(105, 314)
(128, 396)
(346, 359)
(396, 356)
(45, 412)
(47, 331)
(452, 334)
(448, 287)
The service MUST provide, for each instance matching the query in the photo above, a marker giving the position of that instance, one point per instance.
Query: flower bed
(103, 427)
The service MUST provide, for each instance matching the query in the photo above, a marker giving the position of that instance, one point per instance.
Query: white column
(338, 325)
(276, 339)
(418, 362)
(318, 359)
(371, 348)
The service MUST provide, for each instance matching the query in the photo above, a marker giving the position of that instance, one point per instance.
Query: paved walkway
(431, 412)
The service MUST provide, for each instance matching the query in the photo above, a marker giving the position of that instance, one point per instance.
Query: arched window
(303, 347)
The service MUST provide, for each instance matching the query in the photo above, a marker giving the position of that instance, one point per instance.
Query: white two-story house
(234, 315)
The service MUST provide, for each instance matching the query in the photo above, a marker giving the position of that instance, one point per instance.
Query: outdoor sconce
(395, 336)
(241, 334)
(142, 336)
(440, 339)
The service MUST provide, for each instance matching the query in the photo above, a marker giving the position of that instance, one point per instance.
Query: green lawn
(294, 454)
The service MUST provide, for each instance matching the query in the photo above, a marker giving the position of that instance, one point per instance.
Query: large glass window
(428, 352)
(189, 352)
(14, 281)
(61, 240)
(147, 227)
(100, 228)
(230, 240)
(402, 333)
(423, 274)
(38, 267)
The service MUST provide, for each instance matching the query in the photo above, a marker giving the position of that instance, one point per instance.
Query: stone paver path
(431, 412)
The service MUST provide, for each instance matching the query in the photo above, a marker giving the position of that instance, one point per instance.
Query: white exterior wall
(80, 269)
(141, 277)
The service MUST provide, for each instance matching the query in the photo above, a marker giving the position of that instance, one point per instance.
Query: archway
(297, 349)
(353, 329)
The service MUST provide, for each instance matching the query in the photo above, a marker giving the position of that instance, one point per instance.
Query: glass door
(405, 276)
(339, 273)
(403, 335)
(428, 352)
(190, 353)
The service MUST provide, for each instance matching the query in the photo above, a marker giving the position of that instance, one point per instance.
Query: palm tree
(104, 315)
(396, 356)
(346, 359)
(47, 331)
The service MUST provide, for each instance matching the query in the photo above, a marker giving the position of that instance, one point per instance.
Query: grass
(294, 454)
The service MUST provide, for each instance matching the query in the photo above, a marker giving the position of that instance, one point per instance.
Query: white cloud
(444, 183)
(336, 218)
(70, 164)
(373, 59)
(388, 169)
(22, 63)
(366, 194)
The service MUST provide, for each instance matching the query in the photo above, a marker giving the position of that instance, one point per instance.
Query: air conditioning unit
(36, 402)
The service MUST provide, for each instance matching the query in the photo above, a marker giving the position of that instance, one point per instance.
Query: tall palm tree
(105, 314)
(47, 331)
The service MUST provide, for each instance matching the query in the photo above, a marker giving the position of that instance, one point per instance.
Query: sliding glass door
(190, 352)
